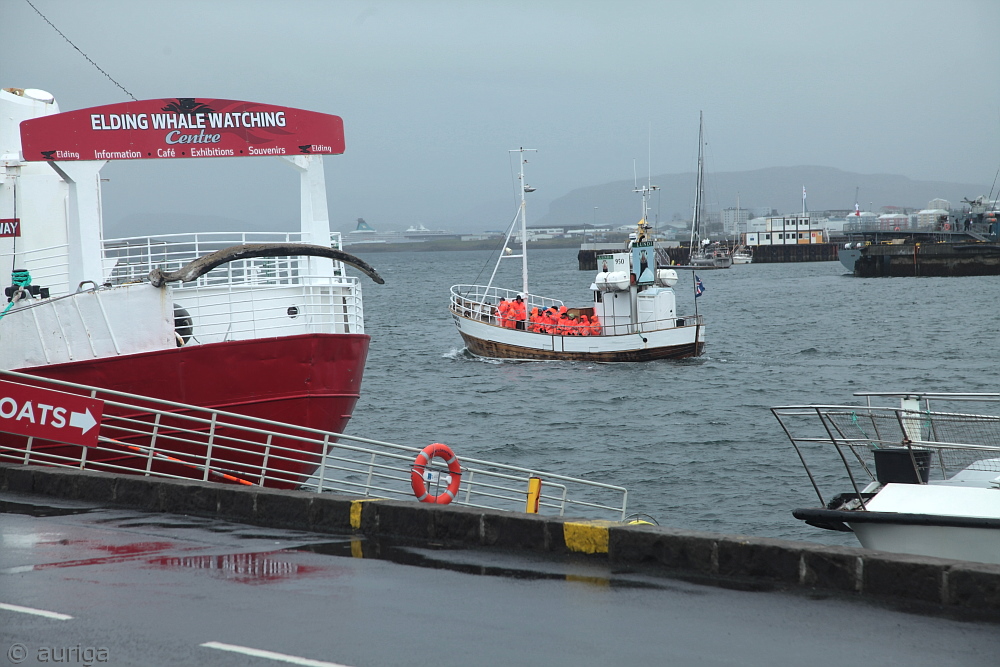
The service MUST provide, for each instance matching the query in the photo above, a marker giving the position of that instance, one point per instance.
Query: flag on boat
(699, 287)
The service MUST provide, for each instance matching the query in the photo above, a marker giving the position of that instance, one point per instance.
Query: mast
(524, 225)
(699, 195)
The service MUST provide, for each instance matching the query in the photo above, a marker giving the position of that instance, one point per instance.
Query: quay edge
(764, 254)
(763, 562)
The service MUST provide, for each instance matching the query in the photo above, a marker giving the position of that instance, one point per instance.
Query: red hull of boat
(311, 380)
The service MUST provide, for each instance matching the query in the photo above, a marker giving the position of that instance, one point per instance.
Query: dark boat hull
(928, 259)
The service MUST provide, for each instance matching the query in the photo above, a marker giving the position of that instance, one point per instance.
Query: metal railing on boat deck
(937, 444)
(49, 267)
(141, 435)
(480, 303)
(248, 298)
(132, 258)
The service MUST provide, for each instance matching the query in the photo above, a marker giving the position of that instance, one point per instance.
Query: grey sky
(433, 94)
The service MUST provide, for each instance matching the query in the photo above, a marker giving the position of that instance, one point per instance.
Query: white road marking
(36, 612)
(271, 655)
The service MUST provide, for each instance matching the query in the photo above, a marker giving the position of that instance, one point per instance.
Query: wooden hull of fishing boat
(485, 340)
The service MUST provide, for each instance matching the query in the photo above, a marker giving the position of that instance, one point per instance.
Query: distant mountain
(774, 188)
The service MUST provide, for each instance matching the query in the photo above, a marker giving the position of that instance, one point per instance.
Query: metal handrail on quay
(154, 437)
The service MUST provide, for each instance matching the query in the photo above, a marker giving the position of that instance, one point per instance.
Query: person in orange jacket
(533, 322)
(502, 309)
(520, 312)
(565, 324)
(595, 325)
(584, 328)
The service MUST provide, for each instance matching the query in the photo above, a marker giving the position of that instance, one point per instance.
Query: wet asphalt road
(153, 589)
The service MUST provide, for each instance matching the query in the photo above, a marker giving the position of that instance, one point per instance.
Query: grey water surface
(693, 441)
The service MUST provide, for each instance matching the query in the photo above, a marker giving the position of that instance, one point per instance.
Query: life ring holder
(420, 465)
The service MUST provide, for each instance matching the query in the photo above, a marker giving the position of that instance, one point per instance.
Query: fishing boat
(267, 325)
(703, 252)
(918, 479)
(633, 316)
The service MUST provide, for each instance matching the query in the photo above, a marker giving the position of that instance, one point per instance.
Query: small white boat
(633, 316)
(742, 255)
(918, 481)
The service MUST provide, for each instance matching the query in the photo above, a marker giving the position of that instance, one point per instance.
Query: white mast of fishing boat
(524, 225)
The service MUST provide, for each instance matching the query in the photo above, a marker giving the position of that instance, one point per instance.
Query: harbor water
(693, 441)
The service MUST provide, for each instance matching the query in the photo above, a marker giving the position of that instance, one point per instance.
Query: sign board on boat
(644, 263)
(49, 415)
(10, 227)
(181, 127)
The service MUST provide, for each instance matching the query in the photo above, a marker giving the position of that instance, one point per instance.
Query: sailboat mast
(699, 195)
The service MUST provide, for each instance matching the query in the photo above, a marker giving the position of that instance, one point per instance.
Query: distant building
(787, 230)
(932, 218)
(541, 233)
(939, 203)
(734, 220)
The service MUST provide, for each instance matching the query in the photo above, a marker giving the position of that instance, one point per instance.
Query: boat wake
(463, 354)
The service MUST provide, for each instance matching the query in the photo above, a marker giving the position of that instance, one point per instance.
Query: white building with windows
(787, 230)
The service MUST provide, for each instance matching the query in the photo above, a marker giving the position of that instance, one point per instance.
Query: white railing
(937, 444)
(247, 298)
(139, 435)
(480, 303)
(49, 267)
(134, 257)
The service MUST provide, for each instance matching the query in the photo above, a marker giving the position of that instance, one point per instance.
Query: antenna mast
(524, 225)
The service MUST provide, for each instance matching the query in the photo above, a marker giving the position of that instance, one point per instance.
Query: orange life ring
(947, 226)
(420, 465)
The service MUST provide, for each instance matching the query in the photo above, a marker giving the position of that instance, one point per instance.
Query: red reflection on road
(247, 568)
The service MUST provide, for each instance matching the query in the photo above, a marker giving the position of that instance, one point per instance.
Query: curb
(956, 585)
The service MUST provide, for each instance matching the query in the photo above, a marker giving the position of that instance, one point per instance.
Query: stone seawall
(956, 585)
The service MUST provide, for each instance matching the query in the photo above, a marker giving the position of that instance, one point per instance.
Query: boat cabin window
(597, 297)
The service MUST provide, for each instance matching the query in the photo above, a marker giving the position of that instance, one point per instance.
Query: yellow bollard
(534, 493)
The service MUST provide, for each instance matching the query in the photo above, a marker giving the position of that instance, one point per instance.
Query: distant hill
(776, 187)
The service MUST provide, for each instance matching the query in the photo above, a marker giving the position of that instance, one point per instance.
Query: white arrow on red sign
(48, 414)
(82, 420)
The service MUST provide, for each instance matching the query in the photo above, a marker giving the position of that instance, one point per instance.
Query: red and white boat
(261, 324)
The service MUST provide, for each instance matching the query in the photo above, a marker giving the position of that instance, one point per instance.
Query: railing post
(322, 464)
(208, 451)
(371, 470)
(534, 492)
(267, 455)
(468, 485)
(152, 444)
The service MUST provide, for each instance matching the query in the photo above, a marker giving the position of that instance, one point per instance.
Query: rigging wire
(80, 51)
(489, 259)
